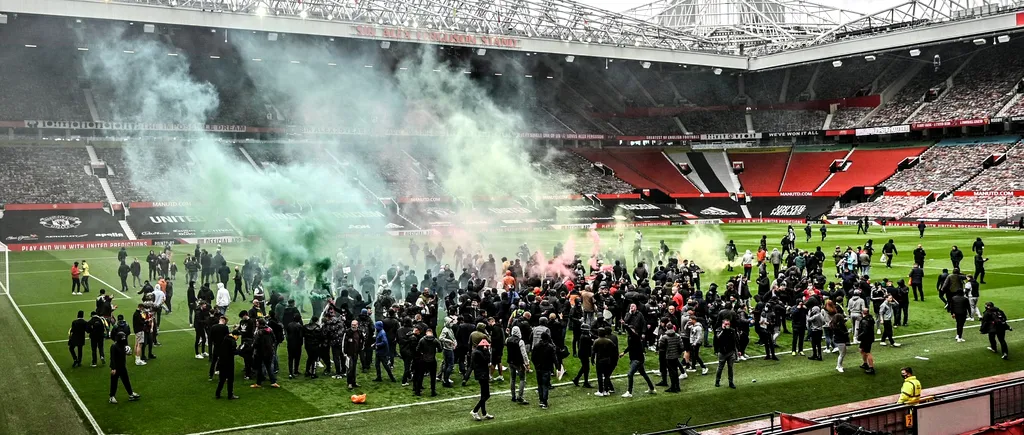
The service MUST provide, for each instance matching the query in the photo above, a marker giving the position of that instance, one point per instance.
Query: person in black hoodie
(959, 308)
(215, 336)
(635, 349)
(726, 340)
(76, 338)
(190, 296)
(97, 331)
(480, 360)
(407, 340)
(293, 336)
(151, 261)
(122, 272)
(311, 336)
(353, 338)
(993, 323)
(226, 364)
(605, 356)
(544, 361)
(426, 363)
(119, 351)
(263, 354)
(202, 319)
(866, 336)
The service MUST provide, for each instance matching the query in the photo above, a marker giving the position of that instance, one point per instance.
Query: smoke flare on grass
(704, 245)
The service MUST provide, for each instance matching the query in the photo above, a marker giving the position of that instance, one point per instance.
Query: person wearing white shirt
(223, 299)
(158, 306)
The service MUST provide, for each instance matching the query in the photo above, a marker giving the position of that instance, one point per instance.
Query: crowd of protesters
(516, 314)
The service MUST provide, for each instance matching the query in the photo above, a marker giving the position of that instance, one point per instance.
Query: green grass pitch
(178, 399)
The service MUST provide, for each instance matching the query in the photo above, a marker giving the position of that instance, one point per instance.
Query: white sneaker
(879, 332)
(489, 417)
(199, 356)
(113, 401)
(206, 354)
(884, 343)
(651, 392)
(703, 371)
(839, 369)
(993, 350)
(600, 394)
(475, 416)
(896, 345)
(627, 394)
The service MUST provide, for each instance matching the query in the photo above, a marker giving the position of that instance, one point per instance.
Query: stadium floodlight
(272, 36)
(718, 71)
(30, 46)
(550, 77)
(169, 54)
(261, 11)
(385, 44)
(83, 49)
(256, 59)
(915, 53)
(295, 61)
(529, 76)
(481, 51)
(129, 51)
(980, 41)
(213, 56)
(870, 58)
(837, 63)
(330, 17)
(367, 66)
(3, 18)
(497, 74)
(570, 58)
(1003, 39)
(303, 14)
(646, 65)
(331, 64)
(148, 28)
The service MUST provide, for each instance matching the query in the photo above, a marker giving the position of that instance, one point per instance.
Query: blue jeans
(637, 366)
(543, 385)
(448, 365)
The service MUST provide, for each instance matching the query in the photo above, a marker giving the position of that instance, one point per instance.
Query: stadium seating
(981, 89)
(868, 167)
(714, 121)
(902, 105)
(646, 126)
(944, 167)
(848, 118)
(807, 169)
(764, 87)
(787, 120)
(763, 172)
(886, 206)
(1003, 177)
(972, 207)
(46, 175)
(584, 178)
(655, 166)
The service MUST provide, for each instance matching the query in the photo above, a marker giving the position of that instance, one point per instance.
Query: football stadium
(512, 216)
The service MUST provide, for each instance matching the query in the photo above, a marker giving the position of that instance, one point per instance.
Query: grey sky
(863, 6)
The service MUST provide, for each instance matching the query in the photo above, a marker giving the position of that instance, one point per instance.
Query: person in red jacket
(76, 280)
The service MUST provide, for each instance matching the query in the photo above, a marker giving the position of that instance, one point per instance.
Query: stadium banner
(700, 195)
(661, 137)
(874, 131)
(176, 223)
(906, 193)
(730, 136)
(618, 196)
(800, 133)
(950, 123)
(711, 208)
(133, 126)
(936, 223)
(59, 226)
(790, 207)
(723, 145)
(841, 132)
(996, 193)
(412, 199)
(433, 37)
(206, 240)
(703, 221)
(1016, 118)
(787, 194)
(61, 246)
(762, 221)
(627, 224)
(68, 206)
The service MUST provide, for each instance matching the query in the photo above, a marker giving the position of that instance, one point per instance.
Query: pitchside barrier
(963, 411)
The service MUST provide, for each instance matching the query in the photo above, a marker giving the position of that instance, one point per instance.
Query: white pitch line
(939, 331)
(42, 271)
(987, 272)
(117, 289)
(65, 302)
(453, 399)
(67, 384)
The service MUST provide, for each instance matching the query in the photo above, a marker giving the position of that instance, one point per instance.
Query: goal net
(1003, 215)
(5, 268)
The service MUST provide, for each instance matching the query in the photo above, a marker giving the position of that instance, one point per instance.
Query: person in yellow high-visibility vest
(910, 392)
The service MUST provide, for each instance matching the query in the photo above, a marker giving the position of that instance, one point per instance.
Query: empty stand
(649, 169)
(808, 169)
(868, 167)
(699, 164)
(763, 171)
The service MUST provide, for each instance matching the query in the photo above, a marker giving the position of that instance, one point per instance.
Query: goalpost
(5, 270)
(997, 214)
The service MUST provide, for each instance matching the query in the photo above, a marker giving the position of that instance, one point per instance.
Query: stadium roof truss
(561, 20)
(761, 27)
(730, 34)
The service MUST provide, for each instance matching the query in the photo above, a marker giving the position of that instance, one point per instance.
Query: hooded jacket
(479, 334)
(815, 319)
(447, 338)
(671, 344)
(517, 355)
(855, 306)
(381, 343)
(223, 297)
